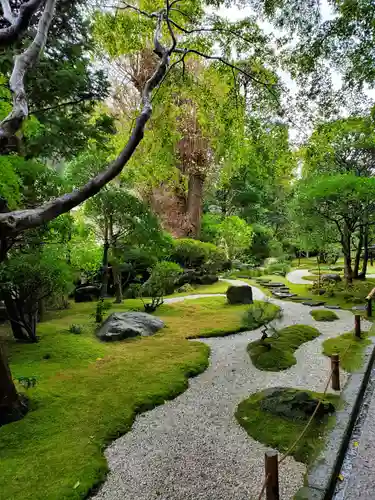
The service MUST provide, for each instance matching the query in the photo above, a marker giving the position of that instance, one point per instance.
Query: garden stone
(359, 308)
(293, 404)
(240, 295)
(331, 277)
(311, 303)
(87, 293)
(119, 326)
(332, 307)
(207, 279)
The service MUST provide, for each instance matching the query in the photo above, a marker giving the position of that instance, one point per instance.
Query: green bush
(76, 329)
(276, 353)
(259, 314)
(280, 267)
(194, 254)
(323, 315)
(161, 282)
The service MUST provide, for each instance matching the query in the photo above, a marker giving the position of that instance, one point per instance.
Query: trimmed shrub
(161, 282)
(323, 315)
(280, 267)
(194, 254)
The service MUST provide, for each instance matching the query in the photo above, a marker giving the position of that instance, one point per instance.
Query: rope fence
(273, 494)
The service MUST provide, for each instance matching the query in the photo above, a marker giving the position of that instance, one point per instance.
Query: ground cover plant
(323, 315)
(279, 431)
(276, 352)
(350, 349)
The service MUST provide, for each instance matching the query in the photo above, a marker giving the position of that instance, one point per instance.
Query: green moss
(238, 318)
(323, 315)
(280, 432)
(351, 359)
(89, 392)
(276, 353)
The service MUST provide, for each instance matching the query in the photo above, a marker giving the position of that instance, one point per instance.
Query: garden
(187, 243)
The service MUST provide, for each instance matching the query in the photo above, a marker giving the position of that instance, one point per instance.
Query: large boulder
(207, 279)
(240, 295)
(87, 293)
(294, 404)
(119, 326)
(331, 277)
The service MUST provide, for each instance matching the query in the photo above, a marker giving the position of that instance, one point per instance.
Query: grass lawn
(277, 352)
(323, 315)
(280, 432)
(353, 359)
(88, 392)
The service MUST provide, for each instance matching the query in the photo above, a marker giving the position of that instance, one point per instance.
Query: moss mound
(276, 353)
(349, 348)
(323, 315)
(281, 430)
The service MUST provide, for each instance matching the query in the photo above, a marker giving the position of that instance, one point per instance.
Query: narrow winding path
(192, 448)
(296, 277)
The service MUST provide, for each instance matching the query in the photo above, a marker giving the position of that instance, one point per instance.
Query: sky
(234, 13)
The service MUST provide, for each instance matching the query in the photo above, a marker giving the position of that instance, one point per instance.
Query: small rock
(331, 277)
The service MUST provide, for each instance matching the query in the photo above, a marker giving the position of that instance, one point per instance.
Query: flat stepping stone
(313, 304)
(301, 299)
(331, 307)
(283, 295)
(359, 308)
(274, 285)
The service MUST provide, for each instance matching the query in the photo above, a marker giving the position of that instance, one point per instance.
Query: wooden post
(272, 473)
(335, 365)
(357, 325)
(369, 307)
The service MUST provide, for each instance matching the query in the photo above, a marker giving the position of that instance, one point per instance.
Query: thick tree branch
(20, 220)
(7, 11)
(23, 62)
(18, 25)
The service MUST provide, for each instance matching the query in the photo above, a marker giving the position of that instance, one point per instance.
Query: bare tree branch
(23, 62)
(19, 24)
(20, 220)
(7, 11)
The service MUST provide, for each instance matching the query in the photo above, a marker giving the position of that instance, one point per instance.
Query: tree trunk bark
(194, 204)
(366, 251)
(118, 283)
(346, 246)
(104, 288)
(19, 332)
(11, 406)
(358, 254)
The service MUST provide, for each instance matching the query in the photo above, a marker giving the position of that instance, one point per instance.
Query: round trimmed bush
(323, 315)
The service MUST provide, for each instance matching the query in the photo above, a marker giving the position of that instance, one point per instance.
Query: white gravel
(192, 448)
(296, 277)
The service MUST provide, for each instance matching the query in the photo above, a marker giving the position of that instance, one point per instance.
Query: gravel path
(192, 448)
(296, 277)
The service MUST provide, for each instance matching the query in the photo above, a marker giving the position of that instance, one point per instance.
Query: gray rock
(331, 277)
(332, 307)
(311, 303)
(240, 295)
(294, 404)
(119, 326)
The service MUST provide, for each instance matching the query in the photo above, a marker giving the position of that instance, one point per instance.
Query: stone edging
(322, 474)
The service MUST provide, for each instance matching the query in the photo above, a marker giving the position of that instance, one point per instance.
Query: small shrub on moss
(186, 288)
(276, 353)
(76, 329)
(259, 314)
(323, 315)
(281, 268)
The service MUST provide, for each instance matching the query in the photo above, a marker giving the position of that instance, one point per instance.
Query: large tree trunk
(365, 250)
(118, 283)
(346, 247)
(18, 330)
(194, 204)
(11, 406)
(105, 270)
(358, 254)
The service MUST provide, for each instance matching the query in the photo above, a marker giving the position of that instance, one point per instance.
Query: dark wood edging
(322, 474)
